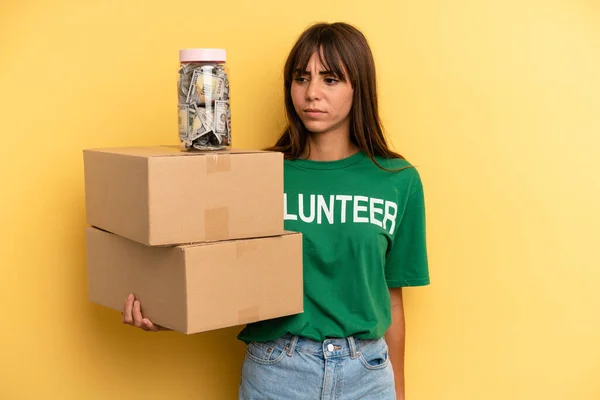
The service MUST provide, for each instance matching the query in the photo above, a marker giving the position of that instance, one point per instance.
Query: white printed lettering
(322, 208)
(358, 208)
(303, 217)
(376, 211)
(343, 199)
(287, 216)
(390, 217)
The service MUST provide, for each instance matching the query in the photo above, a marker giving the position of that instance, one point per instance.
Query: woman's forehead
(322, 61)
(315, 62)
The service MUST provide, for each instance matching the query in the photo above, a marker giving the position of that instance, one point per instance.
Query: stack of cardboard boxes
(197, 237)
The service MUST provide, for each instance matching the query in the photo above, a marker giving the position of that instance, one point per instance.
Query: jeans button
(330, 347)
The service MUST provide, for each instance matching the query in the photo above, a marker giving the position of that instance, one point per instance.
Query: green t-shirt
(363, 232)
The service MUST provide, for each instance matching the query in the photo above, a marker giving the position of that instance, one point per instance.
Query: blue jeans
(293, 367)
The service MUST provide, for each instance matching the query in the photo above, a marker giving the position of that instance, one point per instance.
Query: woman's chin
(316, 127)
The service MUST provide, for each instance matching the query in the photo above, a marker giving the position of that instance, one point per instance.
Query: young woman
(360, 209)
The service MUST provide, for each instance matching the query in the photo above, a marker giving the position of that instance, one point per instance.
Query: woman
(360, 209)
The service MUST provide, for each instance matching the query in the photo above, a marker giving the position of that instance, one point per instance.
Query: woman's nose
(313, 91)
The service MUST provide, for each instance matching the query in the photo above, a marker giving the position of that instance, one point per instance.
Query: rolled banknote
(205, 88)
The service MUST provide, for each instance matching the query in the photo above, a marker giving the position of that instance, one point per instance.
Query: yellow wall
(497, 102)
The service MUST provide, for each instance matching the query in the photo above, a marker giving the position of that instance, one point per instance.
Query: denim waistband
(329, 348)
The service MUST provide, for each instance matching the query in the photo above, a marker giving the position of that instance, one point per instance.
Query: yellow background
(497, 102)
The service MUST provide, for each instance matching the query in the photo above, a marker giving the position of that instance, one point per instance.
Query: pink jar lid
(190, 55)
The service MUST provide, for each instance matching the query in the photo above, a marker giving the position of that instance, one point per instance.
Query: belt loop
(352, 344)
(292, 346)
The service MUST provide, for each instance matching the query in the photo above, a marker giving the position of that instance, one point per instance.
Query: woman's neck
(328, 147)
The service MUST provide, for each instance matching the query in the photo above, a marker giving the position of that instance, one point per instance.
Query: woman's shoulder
(393, 162)
(397, 166)
(402, 170)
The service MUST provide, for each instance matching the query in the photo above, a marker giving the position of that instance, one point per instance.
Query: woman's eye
(331, 81)
(300, 79)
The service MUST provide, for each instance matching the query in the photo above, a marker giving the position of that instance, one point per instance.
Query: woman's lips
(313, 112)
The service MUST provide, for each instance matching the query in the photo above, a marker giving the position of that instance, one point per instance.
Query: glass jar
(203, 100)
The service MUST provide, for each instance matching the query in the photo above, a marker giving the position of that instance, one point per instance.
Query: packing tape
(218, 163)
(216, 221)
(244, 246)
(248, 314)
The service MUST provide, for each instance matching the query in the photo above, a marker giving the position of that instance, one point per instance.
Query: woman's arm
(395, 340)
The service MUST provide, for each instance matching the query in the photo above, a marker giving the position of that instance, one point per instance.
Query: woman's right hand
(132, 315)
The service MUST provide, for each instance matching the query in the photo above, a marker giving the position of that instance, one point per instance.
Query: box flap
(203, 243)
(209, 242)
(167, 151)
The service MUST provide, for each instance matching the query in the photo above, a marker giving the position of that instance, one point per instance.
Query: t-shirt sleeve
(407, 263)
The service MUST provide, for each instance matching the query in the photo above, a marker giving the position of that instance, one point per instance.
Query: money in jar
(203, 100)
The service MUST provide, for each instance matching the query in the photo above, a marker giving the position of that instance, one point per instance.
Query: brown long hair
(341, 47)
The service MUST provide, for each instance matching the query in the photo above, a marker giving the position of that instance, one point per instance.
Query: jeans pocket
(266, 353)
(374, 355)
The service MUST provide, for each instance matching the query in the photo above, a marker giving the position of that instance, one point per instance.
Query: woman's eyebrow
(299, 71)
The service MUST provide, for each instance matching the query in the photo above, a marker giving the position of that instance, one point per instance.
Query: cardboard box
(199, 287)
(163, 196)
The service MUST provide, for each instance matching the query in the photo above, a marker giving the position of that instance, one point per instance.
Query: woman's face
(321, 100)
